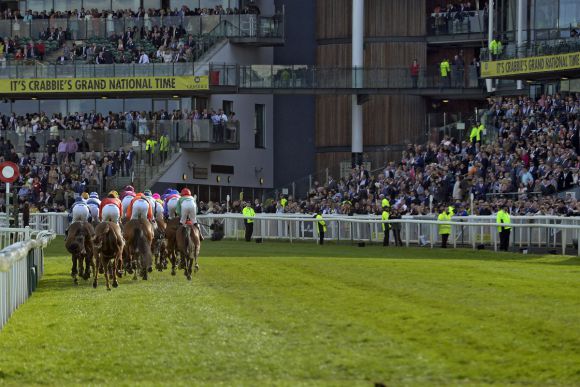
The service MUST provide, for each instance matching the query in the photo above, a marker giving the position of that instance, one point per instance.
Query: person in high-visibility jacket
(495, 48)
(150, 145)
(283, 202)
(249, 214)
(475, 134)
(445, 69)
(385, 202)
(386, 225)
(503, 218)
(321, 227)
(444, 228)
(163, 147)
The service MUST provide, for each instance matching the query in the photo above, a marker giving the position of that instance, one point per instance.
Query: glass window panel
(104, 106)
(186, 104)
(81, 106)
(214, 3)
(546, 14)
(52, 106)
(97, 4)
(126, 4)
(23, 107)
(188, 3)
(569, 13)
(67, 5)
(153, 4)
(5, 107)
(40, 5)
(138, 104)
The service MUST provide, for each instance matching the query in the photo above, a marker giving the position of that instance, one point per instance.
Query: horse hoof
(115, 284)
(94, 285)
(189, 278)
(75, 281)
(149, 269)
(101, 271)
(173, 272)
(109, 289)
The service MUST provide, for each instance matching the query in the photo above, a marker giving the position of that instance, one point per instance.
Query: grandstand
(255, 97)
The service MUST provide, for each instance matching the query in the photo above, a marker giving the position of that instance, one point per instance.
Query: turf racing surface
(301, 314)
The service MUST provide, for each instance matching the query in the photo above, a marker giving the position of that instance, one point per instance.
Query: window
(569, 14)
(81, 105)
(51, 106)
(546, 14)
(228, 106)
(223, 169)
(259, 125)
(104, 106)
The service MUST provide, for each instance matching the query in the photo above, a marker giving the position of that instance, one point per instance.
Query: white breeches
(188, 211)
(125, 203)
(171, 206)
(111, 213)
(80, 213)
(140, 209)
(94, 209)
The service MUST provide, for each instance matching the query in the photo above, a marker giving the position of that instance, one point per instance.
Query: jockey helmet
(156, 196)
(114, 194)
(147, 192)
(94, 195)
(185, 192)
(129, 188)
(85, 195)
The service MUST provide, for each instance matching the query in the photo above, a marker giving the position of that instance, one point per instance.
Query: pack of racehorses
(131, 244)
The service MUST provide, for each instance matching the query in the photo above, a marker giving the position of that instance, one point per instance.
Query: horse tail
(186, 230)
(137, 237)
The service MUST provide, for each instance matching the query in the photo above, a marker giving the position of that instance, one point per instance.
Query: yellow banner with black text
(531, 65)
(102, 85)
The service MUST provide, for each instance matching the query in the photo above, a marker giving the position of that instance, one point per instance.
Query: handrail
(19, 250)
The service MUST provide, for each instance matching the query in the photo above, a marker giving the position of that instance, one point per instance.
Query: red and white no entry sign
(9, 172)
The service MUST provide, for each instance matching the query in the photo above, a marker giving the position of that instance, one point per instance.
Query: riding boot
(201, 238)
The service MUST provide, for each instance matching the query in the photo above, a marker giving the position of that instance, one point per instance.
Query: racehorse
(138, 235)
(188, 245)
(79, 242)
(109, 245)
(170, 237)
(158, 244)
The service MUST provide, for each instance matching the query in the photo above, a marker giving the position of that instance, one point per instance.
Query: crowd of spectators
(529, 153)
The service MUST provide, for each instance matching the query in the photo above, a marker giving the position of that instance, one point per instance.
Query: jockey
(94, 204)
(152, 202)
(187, 210)
(111, 208)
(139, 208)
(171, 200)
(127, 196)
(80, 210)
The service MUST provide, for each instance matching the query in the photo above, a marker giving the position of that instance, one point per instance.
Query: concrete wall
(248, 159)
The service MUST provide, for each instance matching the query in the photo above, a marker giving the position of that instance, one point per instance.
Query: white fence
(548, 232)
(21, 266)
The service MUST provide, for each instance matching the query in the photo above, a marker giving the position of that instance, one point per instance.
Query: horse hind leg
(74, 270)
(94, 264)
(108, 268)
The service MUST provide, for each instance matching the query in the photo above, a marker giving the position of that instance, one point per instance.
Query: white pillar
(519, 37)
(358, 14)
(489, 82)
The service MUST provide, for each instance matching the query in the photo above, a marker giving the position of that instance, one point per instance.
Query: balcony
(456, 27)
(256, 27)
(202, 136)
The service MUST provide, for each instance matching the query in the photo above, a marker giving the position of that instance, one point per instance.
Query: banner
(531, 65)
(102, 85)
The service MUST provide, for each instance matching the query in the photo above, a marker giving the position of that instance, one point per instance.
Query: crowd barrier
(544, 232)
(21, 267)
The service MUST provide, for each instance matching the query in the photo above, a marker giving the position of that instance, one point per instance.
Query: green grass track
(300, 314)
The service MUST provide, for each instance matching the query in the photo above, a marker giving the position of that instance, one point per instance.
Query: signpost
(9, 173)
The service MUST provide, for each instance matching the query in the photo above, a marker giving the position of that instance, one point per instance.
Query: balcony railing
(538, 48)
(315, 77)
(187, 133)
(245, 25)
(450, 23)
